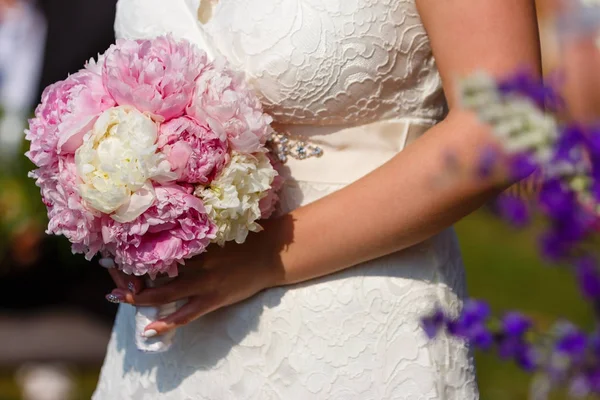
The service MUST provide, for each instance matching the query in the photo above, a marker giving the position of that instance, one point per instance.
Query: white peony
(232, 200)
(118, 160)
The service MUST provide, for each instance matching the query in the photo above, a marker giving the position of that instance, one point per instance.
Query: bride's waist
(342, 154)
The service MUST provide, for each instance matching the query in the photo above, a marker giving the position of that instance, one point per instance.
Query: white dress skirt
(356, 78)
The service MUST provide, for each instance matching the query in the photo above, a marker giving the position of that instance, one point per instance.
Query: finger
(107, 263)
(135, 284)
(192, 310)
(118, 278)
(132, 283)
(172, 291)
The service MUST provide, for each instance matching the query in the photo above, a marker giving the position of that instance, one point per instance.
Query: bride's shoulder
(139, 19)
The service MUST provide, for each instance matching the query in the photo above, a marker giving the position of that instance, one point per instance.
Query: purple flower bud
(480, 336)
(514, 210)
(432, 324)
(487, 162)
(474, 312)
(571, 136)
(521, 166)
(516, 348)
(572, 343)
(515, 324)
(527, 358)
(556, 199)
(455, 329)
(574, 227)
(588, 277)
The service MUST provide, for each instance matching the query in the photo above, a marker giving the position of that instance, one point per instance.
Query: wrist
(275, 241)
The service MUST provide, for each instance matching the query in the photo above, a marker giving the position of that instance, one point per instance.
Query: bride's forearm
(402, 203)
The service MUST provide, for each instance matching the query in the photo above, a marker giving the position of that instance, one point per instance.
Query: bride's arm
(399, 205)
(394, 207)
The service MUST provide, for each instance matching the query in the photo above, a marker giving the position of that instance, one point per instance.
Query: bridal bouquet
(150, 154)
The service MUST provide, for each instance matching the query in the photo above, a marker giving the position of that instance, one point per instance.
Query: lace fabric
(351, 335)
(331, 62)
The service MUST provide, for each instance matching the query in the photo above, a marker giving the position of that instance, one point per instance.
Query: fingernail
(150, 333)
(107, 263)
(115, 298)
(131, 287)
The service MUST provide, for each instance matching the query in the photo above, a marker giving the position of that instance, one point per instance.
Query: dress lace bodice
(316, 62)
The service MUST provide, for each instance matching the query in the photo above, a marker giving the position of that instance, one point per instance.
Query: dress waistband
(349, 153)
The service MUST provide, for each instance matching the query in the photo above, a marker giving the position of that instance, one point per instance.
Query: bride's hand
(124, 282)
(218, 278)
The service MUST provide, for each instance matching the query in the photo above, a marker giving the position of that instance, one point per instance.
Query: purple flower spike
(433, 324)
(588, 277)
(514, 210)
(515, 324)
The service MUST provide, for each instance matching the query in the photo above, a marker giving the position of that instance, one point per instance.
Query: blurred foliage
(22, 213)
(85, 384)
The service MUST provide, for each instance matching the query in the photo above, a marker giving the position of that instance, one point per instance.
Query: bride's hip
(407, 284)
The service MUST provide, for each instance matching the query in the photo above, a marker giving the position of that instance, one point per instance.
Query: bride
(326, 302)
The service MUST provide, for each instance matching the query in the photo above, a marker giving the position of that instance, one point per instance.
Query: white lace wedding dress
(357, 78)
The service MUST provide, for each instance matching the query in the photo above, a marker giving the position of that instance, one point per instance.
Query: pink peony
(224, 100)
(196, 153)
(68, 110)
(268, 204)
(174, 229)
(66, 212)
(156, 76)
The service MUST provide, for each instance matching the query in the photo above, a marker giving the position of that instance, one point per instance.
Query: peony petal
(139, 202)
(71, 137)
(179, 155)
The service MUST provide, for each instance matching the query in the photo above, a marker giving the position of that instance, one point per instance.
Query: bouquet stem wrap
(146, 315)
